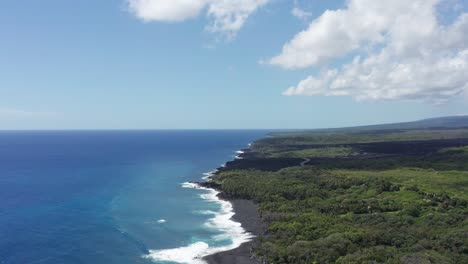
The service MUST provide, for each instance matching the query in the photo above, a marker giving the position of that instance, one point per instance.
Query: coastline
(224, 221)
(246, 213)
(254, 176)
(238, 219)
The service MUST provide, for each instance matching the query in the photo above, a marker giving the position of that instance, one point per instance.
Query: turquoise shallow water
(112, 196)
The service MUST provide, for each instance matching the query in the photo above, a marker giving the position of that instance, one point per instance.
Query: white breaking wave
(208, 175)
(192, 185)
(162, 221)
(194, 253)
(189, 254)
(239, 152)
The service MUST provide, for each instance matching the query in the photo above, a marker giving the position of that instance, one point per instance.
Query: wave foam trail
(194, 253)
(205, 212)
(208, 175)
(189, 254)
(239, 153)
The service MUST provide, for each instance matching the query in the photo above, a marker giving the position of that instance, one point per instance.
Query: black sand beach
(247, 214)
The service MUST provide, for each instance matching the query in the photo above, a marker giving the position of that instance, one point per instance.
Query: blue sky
(90, 64)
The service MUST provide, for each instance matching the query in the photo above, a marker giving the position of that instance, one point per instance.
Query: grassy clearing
(458, 150)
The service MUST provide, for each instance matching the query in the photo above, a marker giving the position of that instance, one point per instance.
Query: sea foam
(208, 175)
(195, 252)
(239, 153)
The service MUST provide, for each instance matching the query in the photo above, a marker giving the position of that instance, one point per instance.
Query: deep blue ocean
(111, 196)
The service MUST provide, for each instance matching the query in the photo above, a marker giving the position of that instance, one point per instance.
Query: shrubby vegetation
(286, 141)
(328, 152)
(390, 209)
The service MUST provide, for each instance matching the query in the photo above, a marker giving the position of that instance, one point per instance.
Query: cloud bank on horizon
(13, 113)
(226, 16)
(399, 49)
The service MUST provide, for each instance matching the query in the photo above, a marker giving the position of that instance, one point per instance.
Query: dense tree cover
(398, 209)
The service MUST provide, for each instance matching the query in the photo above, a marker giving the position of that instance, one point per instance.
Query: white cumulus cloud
(300, 13)
(226, 16)
(166, 10)
(403, 52)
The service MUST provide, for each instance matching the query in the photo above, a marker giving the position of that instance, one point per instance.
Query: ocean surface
(114, 196)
